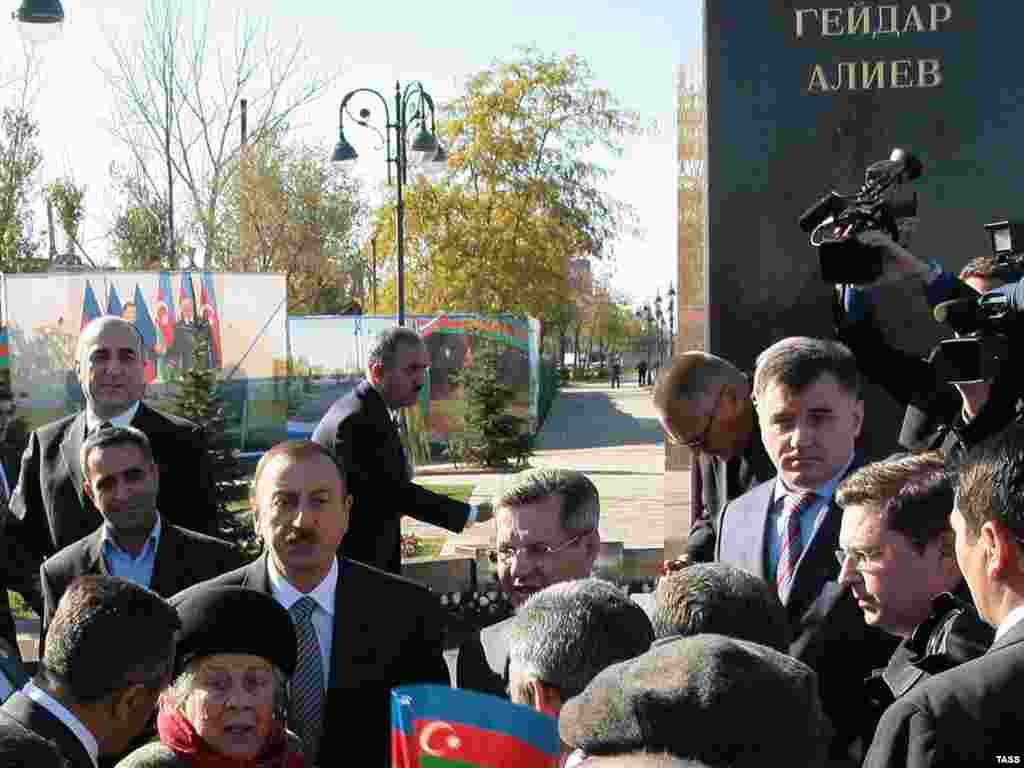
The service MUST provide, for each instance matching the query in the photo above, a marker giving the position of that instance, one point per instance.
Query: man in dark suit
(703, 402)
(786, 530)
(361, 631)
(970, 715)
(547, 533)
(9, 575)
(122, 480)
(359, 430)
(897, 556)
(110, 655)
(50, 508)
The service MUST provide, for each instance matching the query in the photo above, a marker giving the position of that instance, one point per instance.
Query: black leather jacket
(950, 636)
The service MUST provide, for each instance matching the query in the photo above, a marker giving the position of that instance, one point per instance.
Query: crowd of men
(830, 611)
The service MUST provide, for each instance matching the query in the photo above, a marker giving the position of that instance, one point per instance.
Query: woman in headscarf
(227, 704)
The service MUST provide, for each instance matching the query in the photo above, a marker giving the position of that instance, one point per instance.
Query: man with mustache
(360, 632)
(361, 432)
(134, 542)
(786, 530)
(547, 533)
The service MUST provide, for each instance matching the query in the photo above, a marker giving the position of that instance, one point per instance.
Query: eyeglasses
(696, 443)
(862, 558)
(505, 555)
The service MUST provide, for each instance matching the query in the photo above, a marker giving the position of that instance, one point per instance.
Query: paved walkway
(614, 437)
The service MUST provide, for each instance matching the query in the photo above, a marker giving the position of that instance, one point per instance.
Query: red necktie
(793, 506)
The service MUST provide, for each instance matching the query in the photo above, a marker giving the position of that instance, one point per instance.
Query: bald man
(704, 403)
(49, 507)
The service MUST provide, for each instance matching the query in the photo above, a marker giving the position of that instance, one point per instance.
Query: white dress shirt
(92, 421)
(1012, 618)
(62, 713)
(323, 616)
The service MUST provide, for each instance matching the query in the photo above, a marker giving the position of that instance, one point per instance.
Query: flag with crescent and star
(144, 322)
(165, 318)
(208, 311)
(433, 726)
(90, 307)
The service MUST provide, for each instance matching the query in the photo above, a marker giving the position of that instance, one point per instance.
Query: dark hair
(296, 450)
(912, 494)
(106, 635)
(990, 482)
(385, 345)
(581, 506)
(723, 600)
(798, 361)
(112, 435)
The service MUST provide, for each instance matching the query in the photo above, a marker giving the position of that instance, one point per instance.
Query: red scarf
(177, 733)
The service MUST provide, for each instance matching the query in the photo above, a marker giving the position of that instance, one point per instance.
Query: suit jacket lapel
(70, 449)
(40, 721)
(94, 560)
(353, 641)
(752, 547)
(162, 572)
(1014, 635)
(817, 563)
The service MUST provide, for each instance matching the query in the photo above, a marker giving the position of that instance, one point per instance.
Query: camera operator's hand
(899, 263)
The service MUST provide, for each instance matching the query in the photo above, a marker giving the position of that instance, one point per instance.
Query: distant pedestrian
(617, 372)
(641, 370)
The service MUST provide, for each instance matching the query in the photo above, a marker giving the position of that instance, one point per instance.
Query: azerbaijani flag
(433, 726)
(5, 349)
(114, 302)
(144, 322)
(208, 304)
(90, 307)
(165, 318)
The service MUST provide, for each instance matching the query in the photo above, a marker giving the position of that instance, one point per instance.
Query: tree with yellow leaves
(523, 195)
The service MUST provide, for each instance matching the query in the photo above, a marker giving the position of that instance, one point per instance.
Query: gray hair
(185, 684)
(94, 328)
(565, 634)
(581, 505)
(102, 438)
(798, 361)
(723, 600)
(386, 344)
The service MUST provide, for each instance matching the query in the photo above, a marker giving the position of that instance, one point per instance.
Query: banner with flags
(90, 307)
(114, 302)
(165, 318)
(147, 329)
(434, 726)
(208, 311)
(187, 298)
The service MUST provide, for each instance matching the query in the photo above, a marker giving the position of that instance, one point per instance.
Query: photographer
(940, 416)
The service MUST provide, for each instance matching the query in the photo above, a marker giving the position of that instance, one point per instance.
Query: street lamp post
(671, 320)
(413, 107)
(39, 20)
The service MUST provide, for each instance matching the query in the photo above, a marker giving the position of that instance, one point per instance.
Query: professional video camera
(834, 221)
(986, 326)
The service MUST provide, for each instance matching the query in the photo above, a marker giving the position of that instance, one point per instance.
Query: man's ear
(999, 544)
(544, 698)
(376, 372)
(87, 487)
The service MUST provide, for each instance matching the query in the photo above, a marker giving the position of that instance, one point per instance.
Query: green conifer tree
(200, 399)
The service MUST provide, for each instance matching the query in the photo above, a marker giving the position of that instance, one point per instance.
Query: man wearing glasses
(547, 533)
(703, 402)
(896, 553)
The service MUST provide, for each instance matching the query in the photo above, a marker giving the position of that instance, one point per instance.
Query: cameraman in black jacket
(940, 416)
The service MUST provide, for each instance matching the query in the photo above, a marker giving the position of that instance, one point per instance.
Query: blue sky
(633, 48)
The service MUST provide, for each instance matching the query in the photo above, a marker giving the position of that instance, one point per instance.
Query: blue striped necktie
(306, 692)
